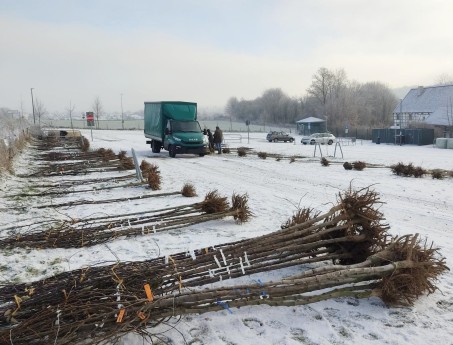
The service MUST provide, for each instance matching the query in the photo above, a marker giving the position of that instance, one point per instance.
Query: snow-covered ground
(275, 189)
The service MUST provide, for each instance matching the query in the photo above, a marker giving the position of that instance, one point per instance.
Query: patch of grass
(242, 151)
(419, 172)
(359, 165)
(126, 163)
(154, 179)
(397, 169)
(152, 174)
(347, 166)
(407, 170)
(262, 155)
(292, 159)
(121, 155)
(188, 190)
(437, 174)
(300, 216)
(214, 203)
(325, 162)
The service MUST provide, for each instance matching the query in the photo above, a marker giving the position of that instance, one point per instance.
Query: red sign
(90, 118)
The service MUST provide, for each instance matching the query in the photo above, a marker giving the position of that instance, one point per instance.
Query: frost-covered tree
(40, 110)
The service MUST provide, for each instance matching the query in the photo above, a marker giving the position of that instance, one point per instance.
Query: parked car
(320, 138)
(279, 136)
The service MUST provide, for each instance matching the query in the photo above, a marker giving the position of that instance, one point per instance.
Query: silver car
(320, 138)
(279, 136)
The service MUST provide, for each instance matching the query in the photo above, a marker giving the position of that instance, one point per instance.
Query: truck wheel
(172, 151)
(155, 146)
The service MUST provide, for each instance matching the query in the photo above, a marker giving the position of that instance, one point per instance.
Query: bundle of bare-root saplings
(84, 166)
(103, 303)
(91, 231)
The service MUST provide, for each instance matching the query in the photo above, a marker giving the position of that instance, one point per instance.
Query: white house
(431, 105)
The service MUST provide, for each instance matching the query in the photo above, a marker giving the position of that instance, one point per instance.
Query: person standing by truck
(210, 140)
(218, 138)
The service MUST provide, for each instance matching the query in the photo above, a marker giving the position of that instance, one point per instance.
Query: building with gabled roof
(432, 105)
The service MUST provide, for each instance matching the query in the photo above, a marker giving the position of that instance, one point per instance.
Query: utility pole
(71, 108)
(122, 115)
(33, 105)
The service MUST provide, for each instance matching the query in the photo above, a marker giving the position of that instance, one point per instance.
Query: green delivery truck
(174, 127)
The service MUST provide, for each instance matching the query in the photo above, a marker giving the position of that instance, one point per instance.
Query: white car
(320, 138)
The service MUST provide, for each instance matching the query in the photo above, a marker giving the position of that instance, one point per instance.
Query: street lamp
(33, 105)
(122, 115)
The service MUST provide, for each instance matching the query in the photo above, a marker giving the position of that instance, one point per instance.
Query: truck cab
(184, 137)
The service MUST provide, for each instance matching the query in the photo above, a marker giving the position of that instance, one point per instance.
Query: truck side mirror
(167, 131)
(205, 132)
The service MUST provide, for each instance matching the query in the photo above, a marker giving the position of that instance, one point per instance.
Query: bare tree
(331, 94)
(70, 111)
(379, 102)
(271, 101)
(328, 90)
(40, 110)
(97, 109)
(322, 85)
(444, 79)
(231, 108)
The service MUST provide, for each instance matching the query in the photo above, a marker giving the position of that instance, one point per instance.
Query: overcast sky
(208, 51)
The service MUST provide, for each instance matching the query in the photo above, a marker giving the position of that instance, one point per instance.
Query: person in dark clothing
(210, 140)
(218, 138)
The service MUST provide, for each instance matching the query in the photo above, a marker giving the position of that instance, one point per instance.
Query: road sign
(90, 118)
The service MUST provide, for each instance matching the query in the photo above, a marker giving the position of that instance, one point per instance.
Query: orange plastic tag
(141, 315)
(149, 293)
(121, 315)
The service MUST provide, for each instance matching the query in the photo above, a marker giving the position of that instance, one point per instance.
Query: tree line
(330, 96)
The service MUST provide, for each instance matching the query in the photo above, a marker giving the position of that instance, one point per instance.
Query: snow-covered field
(275, 189)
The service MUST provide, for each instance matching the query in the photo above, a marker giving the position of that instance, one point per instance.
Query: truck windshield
(185, 126)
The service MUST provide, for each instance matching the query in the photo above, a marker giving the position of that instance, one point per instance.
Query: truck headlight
(177, 139)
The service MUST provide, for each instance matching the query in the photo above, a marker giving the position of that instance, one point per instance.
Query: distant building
(311, 125)
(431, 105)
